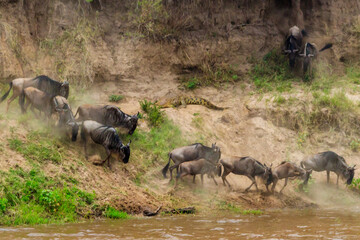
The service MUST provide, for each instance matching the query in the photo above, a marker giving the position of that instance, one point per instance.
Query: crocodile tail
(208, 104)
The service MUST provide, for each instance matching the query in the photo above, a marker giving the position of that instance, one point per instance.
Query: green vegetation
(71, 43)
(151, 17)
(115, 214)
(38, 146)
(30, 197)
(155, 144)
(355, 184)
(115, 98)
(337, 103)
(192, 83)
(223, 205)
(154, 114)
(272, 73)
(355, 145)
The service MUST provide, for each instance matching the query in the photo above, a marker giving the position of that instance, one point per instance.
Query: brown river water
(277, 224)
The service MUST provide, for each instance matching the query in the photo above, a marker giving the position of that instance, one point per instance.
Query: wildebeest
(108, 138)
(43, 83)
(201, 166)
(330, 162)
(286, 170)
(37, 99)
(192, 152)
(293, 44)
(310, 51)
(66, 117)
(246, 166)
(109, 115)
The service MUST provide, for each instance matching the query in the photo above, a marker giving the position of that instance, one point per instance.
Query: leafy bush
(355, 145)
(154, 115)
(115, 98)
(33, 198)
(3, 204)
(272, 72)
(192, 83)
(115, 214)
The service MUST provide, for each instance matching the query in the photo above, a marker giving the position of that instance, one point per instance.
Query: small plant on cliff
(150, 16)
(154, 115)
(272, 72)
(115, 98)
(115, 214)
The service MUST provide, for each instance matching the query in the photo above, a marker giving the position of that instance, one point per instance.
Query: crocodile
(183, 101)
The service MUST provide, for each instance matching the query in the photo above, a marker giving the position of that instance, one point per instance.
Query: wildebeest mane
(48, 85)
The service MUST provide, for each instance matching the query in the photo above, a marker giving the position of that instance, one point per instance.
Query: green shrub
(154, 114)
(115, 214)
(355, 145)
(192, 83)
(272, 72)
(30, 197)
(115, 98)
(3, 204)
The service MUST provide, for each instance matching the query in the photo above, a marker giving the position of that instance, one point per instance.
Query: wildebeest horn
(287, 51)
(65, 83)
(295, 50)
(128, 143)
(302, 55)
(311, 55)
(270, 165)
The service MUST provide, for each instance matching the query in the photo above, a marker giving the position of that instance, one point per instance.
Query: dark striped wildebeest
(286, 170)
(43, 83)
(109, 115)
(330, 162)
(108, 138)
(246, 166)
(192, 152)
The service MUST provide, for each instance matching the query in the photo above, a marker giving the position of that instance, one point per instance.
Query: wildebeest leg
(286, 180)
(274, 185)
(85, 149)
(328, 176)
(214, 180)
(171, 169)
(194, 179)
(337, 181)
(179, 175)
(253, 182)
(223, 177)
(10, 100)
(202, 179)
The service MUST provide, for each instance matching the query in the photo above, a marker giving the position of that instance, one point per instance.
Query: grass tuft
(115, 98)
(115, 214)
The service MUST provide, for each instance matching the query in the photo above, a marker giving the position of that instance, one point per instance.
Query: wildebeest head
(64, 89)
(133, 122)
(125, 149)
(349, 174)
(291, 50)
(268, 176)
(215, 153)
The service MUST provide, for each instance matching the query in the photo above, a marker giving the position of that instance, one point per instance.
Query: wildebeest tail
(22, 101)
(220, 170)
(166, 168)
(328, 45)
(7, 93)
